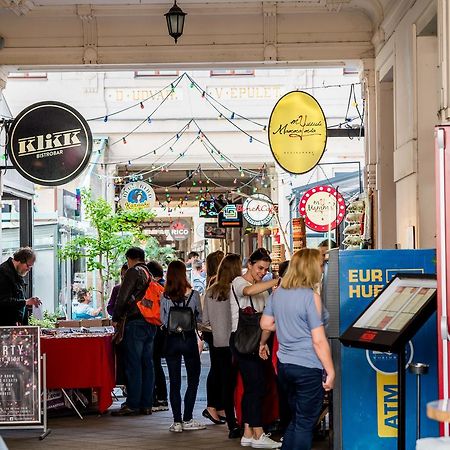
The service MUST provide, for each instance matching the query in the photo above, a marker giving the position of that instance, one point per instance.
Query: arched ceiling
(111, 32)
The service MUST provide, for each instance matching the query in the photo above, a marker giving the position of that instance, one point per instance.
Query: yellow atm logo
(387, 405)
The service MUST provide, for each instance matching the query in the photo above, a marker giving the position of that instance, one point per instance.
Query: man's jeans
(138, 357)
(305, 395)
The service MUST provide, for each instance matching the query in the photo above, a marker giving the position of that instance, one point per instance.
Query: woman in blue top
(177, 291)
(305, 366)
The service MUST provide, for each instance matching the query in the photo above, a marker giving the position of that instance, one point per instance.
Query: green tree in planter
(154, 251)
(114, 233)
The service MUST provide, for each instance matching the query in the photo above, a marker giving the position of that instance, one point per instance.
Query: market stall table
(81, 361)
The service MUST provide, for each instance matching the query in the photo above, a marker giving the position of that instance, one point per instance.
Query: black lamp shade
(175, 21)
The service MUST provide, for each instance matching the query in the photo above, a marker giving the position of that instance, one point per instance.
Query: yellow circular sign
(297, 132)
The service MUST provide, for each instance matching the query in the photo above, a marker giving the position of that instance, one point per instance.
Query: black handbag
(248, 334)
(181, 318)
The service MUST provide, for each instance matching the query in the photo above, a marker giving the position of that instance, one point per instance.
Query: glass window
(234, 72)
(29, 75)
(155, 73)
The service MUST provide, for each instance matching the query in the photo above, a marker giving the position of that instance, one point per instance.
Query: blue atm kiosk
(365, 401)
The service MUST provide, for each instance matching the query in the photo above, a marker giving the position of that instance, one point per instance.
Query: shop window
(29, 75)
(155, 73)
(235, 72)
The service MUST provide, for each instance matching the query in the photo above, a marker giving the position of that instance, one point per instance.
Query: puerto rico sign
(323, 208)
(49, 143)
(297, 132)
(137, 195)
(179, 230)
(258, 210)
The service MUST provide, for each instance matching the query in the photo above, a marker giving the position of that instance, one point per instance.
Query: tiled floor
(108, 433)
(138, 432)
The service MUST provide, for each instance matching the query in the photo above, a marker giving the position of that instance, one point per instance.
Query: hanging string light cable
(175, 137)
(209, 97)
(106, 116)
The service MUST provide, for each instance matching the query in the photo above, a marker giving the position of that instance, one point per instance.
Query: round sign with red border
(179, 229)
(323, 208)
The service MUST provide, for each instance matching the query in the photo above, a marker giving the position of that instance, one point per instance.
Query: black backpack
(181, 318)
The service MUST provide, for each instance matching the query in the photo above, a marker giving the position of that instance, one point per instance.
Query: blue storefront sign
(369, 378)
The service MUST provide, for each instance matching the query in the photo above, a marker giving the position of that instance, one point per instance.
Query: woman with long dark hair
(215, 406)
(178, 295)
(249, 291)
(217, 314)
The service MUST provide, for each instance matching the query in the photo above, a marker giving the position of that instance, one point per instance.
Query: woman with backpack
(180, 311)
(217, 315)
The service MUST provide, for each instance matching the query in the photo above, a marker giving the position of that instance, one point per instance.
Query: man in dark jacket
(12, 288)
(137, 344)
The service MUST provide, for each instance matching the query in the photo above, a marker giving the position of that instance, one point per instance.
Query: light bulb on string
(232, 116)
(142, 105)
(242, 174)
(192, 85)
(149, 119)
(105, 119)
(124, 140)
(250, 139)
(172, 88)
(235, 181)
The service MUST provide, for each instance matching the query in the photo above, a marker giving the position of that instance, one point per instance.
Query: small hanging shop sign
(137, 195)
(258, 210)
(297, 132)
(179, 230)
(49, 143)
(323, 208)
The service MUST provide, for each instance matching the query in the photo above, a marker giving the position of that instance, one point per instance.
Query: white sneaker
(264, 441)
(246, 442)
(176, 427)
(193, 425)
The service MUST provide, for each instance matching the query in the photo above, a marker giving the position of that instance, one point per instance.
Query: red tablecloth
(81, 362)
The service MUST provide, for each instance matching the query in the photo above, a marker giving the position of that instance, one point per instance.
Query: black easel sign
(20, 390)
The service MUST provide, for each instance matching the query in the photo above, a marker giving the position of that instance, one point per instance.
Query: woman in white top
(251, 367)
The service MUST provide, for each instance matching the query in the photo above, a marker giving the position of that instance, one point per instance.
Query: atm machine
(365, 401)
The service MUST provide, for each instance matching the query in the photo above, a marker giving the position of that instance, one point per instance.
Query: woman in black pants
(178, 292)
(214, 410)
(247, 291)
(217, 315)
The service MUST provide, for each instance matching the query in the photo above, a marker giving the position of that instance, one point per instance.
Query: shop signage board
(138, 195)
(258, 210)
(49, 143)
(297, 132)
(212, 231)
(231, 216)
(20, 373)
(323, 208)
(368, 381)
(180, 229)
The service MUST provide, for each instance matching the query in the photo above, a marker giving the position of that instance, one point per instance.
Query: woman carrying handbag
(248, 297)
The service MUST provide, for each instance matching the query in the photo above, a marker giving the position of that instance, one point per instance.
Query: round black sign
(50, 143)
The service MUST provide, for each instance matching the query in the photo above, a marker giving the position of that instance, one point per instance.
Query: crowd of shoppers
(291, 308)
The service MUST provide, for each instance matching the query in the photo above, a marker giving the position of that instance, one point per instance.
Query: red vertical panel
(442, 140)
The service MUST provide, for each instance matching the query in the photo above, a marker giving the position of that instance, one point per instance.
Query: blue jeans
(304, 391)
(178, 347)
(138, 359)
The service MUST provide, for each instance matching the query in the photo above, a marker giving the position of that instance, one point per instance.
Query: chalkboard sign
(20, 373)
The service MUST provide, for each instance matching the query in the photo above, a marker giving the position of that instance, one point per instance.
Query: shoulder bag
(248, 333)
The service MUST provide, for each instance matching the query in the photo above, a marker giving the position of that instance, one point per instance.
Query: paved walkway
(138, 432)
(109, 433)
